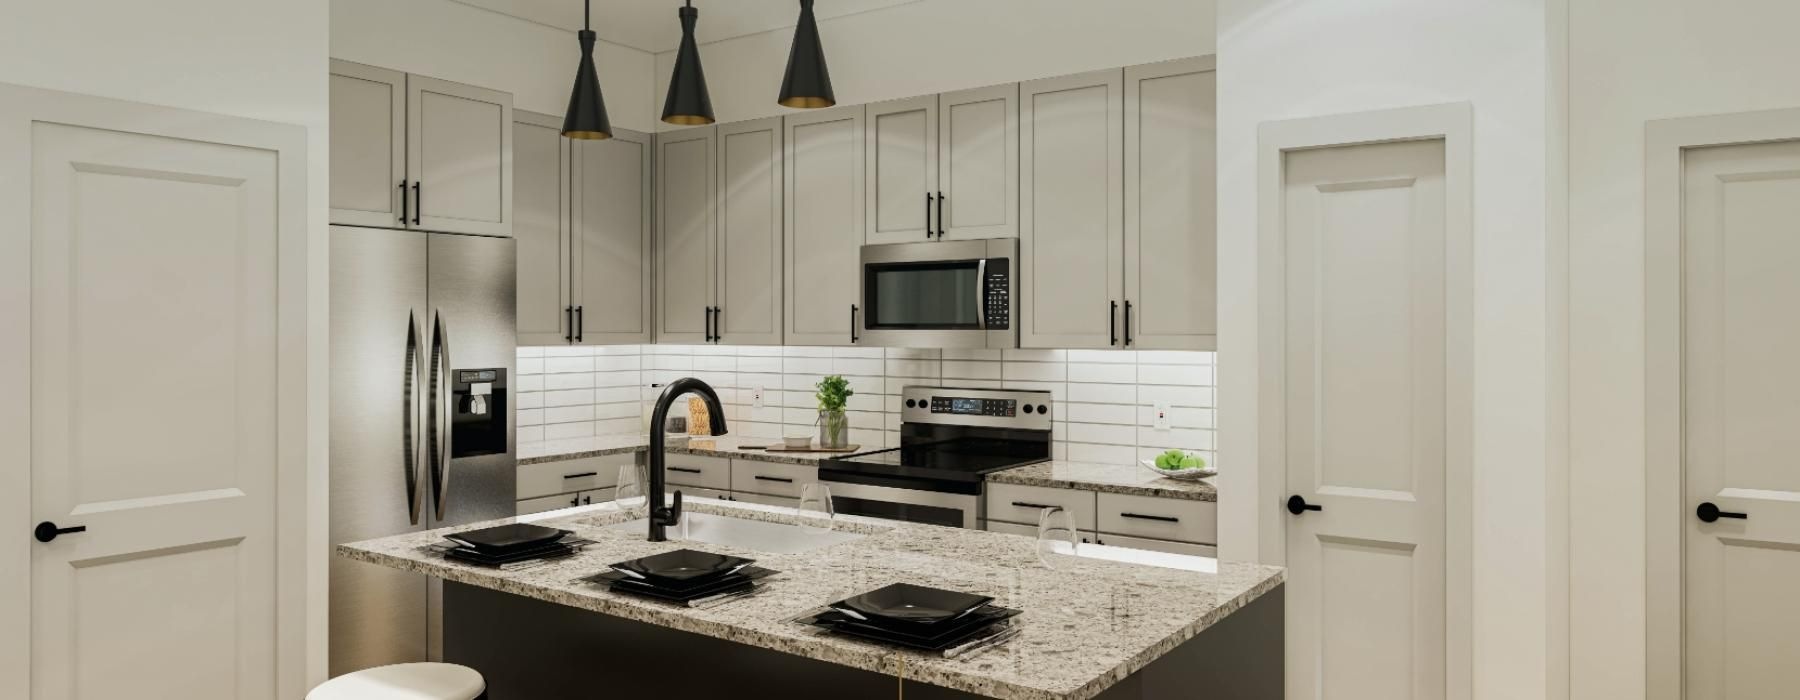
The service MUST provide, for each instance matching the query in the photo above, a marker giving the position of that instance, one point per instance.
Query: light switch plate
(1162, 415)
(756, 397)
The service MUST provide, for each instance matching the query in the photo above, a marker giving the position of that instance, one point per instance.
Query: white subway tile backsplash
(1105, 399)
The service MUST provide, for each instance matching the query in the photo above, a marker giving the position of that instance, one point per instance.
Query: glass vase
(834, 429)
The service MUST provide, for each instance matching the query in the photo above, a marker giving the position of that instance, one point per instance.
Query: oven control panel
(1000, 408)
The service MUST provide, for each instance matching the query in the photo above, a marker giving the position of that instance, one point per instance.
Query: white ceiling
(652, 25)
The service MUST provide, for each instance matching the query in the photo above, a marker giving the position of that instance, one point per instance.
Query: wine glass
(628, 495)
(815, 509)
(1056, 535)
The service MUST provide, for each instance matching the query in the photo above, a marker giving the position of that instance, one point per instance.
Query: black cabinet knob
(1707, 512)
(1298, 505)
(47, 531)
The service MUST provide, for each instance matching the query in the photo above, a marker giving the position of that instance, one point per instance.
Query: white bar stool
(420, 681)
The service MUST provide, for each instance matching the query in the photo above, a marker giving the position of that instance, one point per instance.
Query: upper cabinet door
(612, 239)
(1070, 219)
(902, 170)
(824, 224)
(686, 267)
(368, 145)
(541, 226)
(749, 245)
(978, 163)
(459, 156)
(1171, 260)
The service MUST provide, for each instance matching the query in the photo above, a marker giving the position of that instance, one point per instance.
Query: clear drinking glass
(1056, 535)
(816, 510)
(628, 496)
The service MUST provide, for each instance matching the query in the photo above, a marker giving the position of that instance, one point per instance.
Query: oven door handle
(981, 292)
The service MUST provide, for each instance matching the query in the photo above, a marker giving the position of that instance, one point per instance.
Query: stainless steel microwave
(950, 294)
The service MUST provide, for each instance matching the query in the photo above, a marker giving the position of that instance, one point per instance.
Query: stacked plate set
(919, 617)
(519, 545)
(685, 577)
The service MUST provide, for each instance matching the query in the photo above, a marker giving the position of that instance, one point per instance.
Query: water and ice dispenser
(478, 400)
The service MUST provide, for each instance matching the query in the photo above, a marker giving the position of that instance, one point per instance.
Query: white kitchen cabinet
(582, 221)
(1017, 503)
(771, 478)
(685, 256)
(1071, 220)
(703, 472)
(748, 305)
(760, 499)
(421, 153)
(1171, 260)
(563, 500)
(567, 476)
(823, 225)
(943, 166)
(1158, 518)
(1154, 545)
(611, 253)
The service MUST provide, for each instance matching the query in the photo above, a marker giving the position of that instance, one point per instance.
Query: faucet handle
(675, 509)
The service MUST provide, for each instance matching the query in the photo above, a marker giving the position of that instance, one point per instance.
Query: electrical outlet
(756, 397)
(1162, 415)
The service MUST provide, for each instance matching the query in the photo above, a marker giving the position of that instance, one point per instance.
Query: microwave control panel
(997, 295)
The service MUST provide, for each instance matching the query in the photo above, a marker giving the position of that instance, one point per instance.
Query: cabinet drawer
(1198, 550)
(1158, 518)
(697, 492)
(760, 499)
(1014, 503)
(1012, 528)
(548, 478)
(705, 472)
(539, 505)
(771, 478)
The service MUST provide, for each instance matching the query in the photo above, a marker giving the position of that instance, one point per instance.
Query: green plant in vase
(834, 427)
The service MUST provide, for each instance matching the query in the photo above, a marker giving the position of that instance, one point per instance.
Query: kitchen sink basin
(757, 535)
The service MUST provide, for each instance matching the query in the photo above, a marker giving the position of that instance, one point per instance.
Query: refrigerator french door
(422, 348)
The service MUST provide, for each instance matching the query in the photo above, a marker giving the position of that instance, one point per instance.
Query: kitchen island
(1090, 629)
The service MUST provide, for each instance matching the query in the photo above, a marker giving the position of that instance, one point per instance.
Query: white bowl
(1183, 474)
(799, 442)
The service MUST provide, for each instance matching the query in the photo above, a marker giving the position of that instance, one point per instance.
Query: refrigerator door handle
(440, 415)
(409, 439)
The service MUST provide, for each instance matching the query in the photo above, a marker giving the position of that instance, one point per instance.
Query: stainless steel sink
(758, 535)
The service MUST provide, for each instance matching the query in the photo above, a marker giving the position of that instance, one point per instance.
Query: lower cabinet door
(699, 492)
(545, 503)
(1198, 550)
(1012, 528)
(759, 499)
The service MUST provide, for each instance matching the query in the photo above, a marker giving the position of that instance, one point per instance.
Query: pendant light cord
(587, 14)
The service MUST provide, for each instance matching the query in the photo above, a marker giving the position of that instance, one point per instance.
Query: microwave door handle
(981, 292)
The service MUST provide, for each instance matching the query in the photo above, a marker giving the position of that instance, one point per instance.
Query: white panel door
(1365, 376)
(1741, 396)
(749, 211)
(368, 146)
(685, 264)
(1071, 225)
(541, 227)
(902, 170)
(459, 155)
(612, 239)
(1171, 249)
(824, 199)
(978, 163)
(153, 416)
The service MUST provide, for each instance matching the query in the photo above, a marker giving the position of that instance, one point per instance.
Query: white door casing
(156, 298)
(1366, 396)
(1723, 197)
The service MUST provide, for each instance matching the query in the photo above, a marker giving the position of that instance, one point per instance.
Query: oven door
(939, 295)
(910, 505)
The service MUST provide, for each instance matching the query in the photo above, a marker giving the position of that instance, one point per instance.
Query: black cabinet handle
(1158, 518)
(760, 477)
(1038, 506)
(853, 323)
(581, 475)
(47, 531)
(574, 500)
(404, 209)
(718, 323)
(927, 214)
(418, 203)
(569, 323)
(941, 200)
(587, 500)
(1128, 322)
(581, 320)
(1112, 324)
(1298, 505)
(1707, 512)
(684, 470)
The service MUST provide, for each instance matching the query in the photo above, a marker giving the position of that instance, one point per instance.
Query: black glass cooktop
(955, 463)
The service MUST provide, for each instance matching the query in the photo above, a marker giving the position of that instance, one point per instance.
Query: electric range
(950, 440)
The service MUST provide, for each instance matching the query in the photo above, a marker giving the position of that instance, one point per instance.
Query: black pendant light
(807, 84)
(688, 103)
(586, 118)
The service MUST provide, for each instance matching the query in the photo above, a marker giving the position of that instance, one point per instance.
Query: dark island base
(534, 650)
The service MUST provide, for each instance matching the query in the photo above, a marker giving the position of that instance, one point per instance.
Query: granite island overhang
(1090, 628)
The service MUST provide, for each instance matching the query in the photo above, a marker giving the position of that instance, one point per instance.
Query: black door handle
(927, 214)
(1298, 505)
(47, 531)
(569, 323)
(580, 321)
(1158, 518)
(418, 203)
(1112, 324)
(1707, 512)
(852, 323)
(941, 200)
(404, 209)
(783, 480)
(1128, 322)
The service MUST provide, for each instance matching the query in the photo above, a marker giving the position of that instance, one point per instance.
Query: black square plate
(625, 584)
(507, 538)
(909, 603)
(474, 556)
(947, 633)
(682, 567)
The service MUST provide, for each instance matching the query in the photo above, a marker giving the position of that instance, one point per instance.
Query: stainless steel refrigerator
(422, 348)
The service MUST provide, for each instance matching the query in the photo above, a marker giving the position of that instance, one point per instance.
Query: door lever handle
(47, 531)
(1707, 512)
(1298, 505)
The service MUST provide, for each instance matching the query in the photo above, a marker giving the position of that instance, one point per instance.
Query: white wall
(262, 59)
(457, 42)
(932, 46)
(1633, 61)
(1304, 58)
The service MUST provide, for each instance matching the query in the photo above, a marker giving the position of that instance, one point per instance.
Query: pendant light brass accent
(586, 118)
(807, 84)
(688, 103)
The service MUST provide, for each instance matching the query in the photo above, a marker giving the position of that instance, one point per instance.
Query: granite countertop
(728, 446)
(1086, 626)
(1130, 479)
